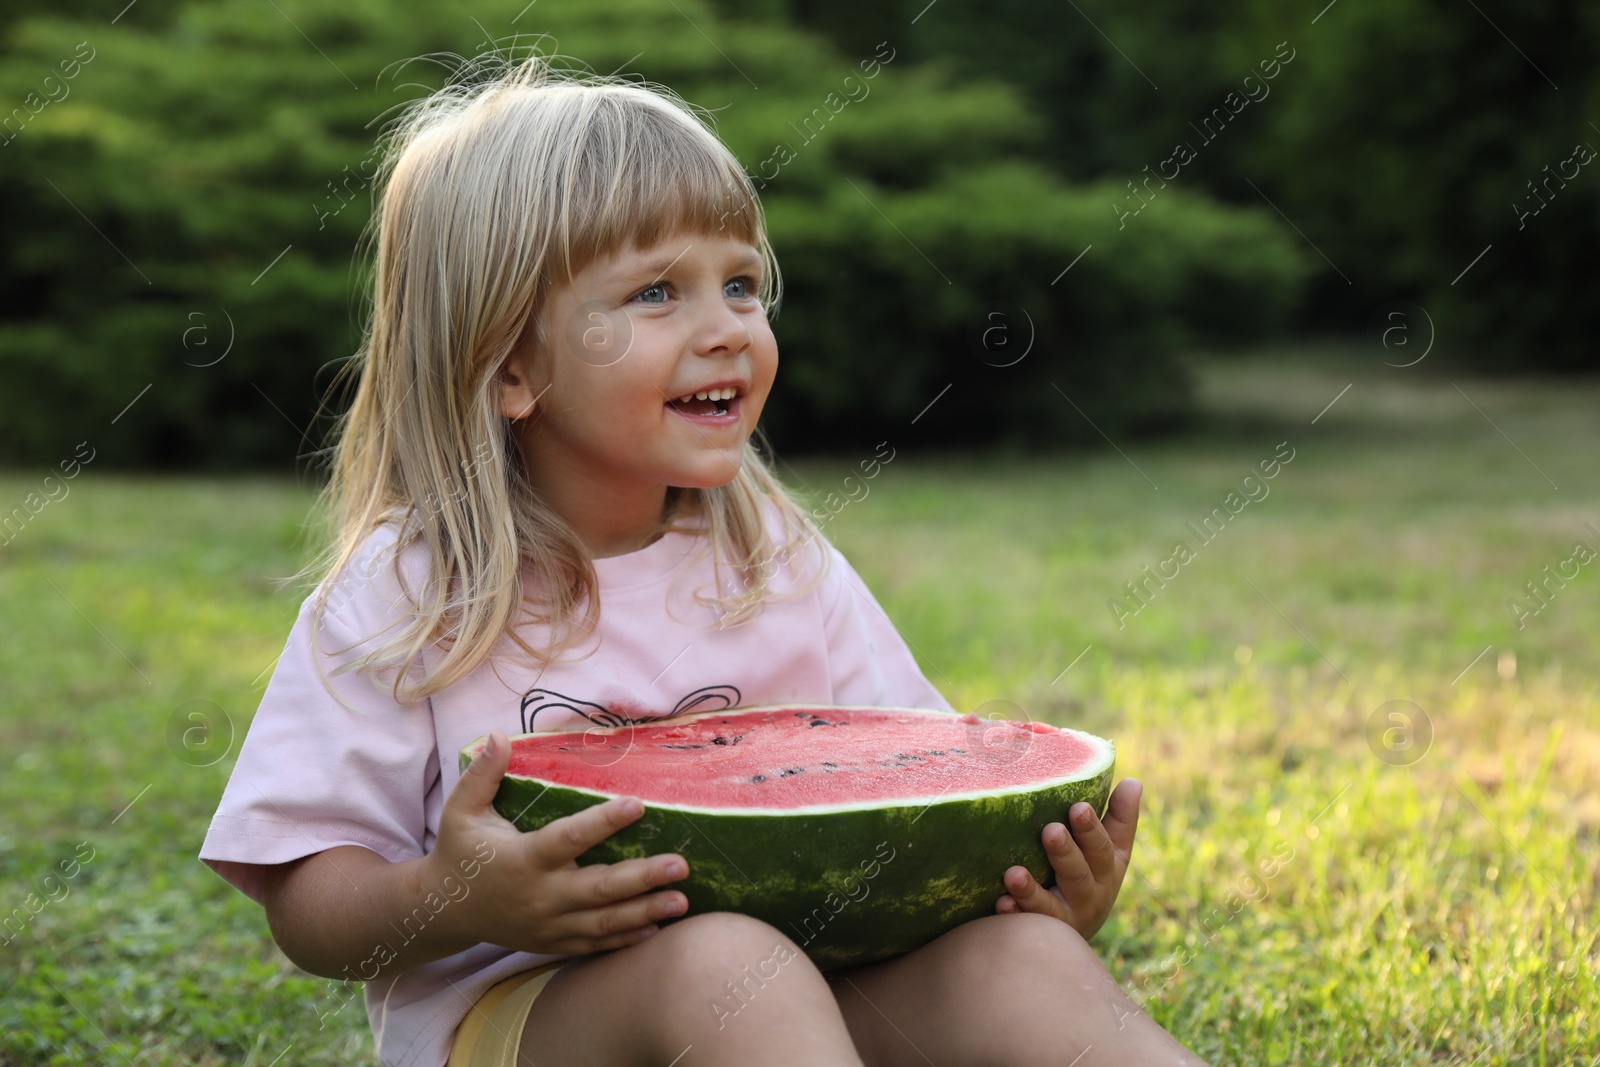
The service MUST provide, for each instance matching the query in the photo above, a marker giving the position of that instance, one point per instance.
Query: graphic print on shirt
(534, 701)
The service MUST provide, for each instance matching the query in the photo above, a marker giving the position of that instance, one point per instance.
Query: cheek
(764, 353)
(763, 374)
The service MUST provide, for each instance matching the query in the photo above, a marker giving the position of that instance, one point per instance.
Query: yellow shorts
(492, 1031)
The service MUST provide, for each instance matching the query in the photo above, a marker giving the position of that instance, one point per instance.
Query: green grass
(1301, 893)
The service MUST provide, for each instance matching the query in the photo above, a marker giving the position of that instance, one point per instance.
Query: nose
(723, 333)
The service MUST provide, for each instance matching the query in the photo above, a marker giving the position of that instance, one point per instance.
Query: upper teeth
(714, 394)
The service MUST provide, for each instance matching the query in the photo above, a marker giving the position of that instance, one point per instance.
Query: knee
(1026, 946)
(723, 947)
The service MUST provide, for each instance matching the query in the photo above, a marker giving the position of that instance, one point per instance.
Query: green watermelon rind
(850, 884)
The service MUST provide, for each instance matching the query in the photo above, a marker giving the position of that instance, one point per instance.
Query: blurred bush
(184, 210)
(1404, 138)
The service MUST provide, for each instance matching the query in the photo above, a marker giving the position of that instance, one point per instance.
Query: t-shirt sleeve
(869, 662)
(330, 759)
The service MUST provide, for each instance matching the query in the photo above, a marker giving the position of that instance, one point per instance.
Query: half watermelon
(861, 832)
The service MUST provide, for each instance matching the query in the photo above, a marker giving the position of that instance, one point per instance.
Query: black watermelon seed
(719, 740)
(829, 763)
(759, 778)
(817, 722)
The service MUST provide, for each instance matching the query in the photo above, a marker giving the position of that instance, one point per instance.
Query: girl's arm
(336, 913)
(347, 912)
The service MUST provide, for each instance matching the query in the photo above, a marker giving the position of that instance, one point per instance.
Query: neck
(622, 530)
(616, 524)
(612, 515)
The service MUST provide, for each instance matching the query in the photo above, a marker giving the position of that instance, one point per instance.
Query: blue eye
(745, 283)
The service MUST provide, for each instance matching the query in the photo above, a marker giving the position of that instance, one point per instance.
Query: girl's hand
(1088, 871)
(529, 893)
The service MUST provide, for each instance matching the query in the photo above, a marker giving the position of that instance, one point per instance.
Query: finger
(1093, 842)
(475, 790)
(575, 942)
(599, 884)
(1073, 874)
(599, 924)
(1029, 895)
(1122, 815)
(1006, 905)
(606, 944)
(563, 840)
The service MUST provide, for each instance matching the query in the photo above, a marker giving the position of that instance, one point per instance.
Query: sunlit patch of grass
(1439, 901)
(1314, 882)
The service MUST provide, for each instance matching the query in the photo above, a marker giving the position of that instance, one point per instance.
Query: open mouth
(717, 405)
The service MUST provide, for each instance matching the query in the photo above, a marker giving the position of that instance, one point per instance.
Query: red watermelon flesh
(789, 758)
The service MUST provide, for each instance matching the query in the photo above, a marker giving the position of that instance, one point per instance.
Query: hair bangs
(647, 174)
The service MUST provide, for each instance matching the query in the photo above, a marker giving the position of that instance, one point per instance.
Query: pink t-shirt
(314, 773)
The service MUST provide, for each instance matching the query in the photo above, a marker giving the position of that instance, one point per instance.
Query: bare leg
(711, 989)
(1004, 989)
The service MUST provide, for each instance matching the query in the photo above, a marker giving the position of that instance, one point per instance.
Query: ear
(519, 389)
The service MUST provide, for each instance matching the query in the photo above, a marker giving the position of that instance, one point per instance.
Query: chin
(711, 480)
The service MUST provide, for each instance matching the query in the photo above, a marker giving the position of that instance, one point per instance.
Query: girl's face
(632, 335)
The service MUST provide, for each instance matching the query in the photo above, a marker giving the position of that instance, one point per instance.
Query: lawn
(1372, 823)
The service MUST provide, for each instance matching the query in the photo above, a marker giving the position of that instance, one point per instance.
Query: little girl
(550, 514)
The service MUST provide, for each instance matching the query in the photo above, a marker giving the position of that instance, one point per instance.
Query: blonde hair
(515, 176)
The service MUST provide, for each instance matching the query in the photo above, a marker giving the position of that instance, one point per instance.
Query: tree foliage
(1404, 139)
(180, 253)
